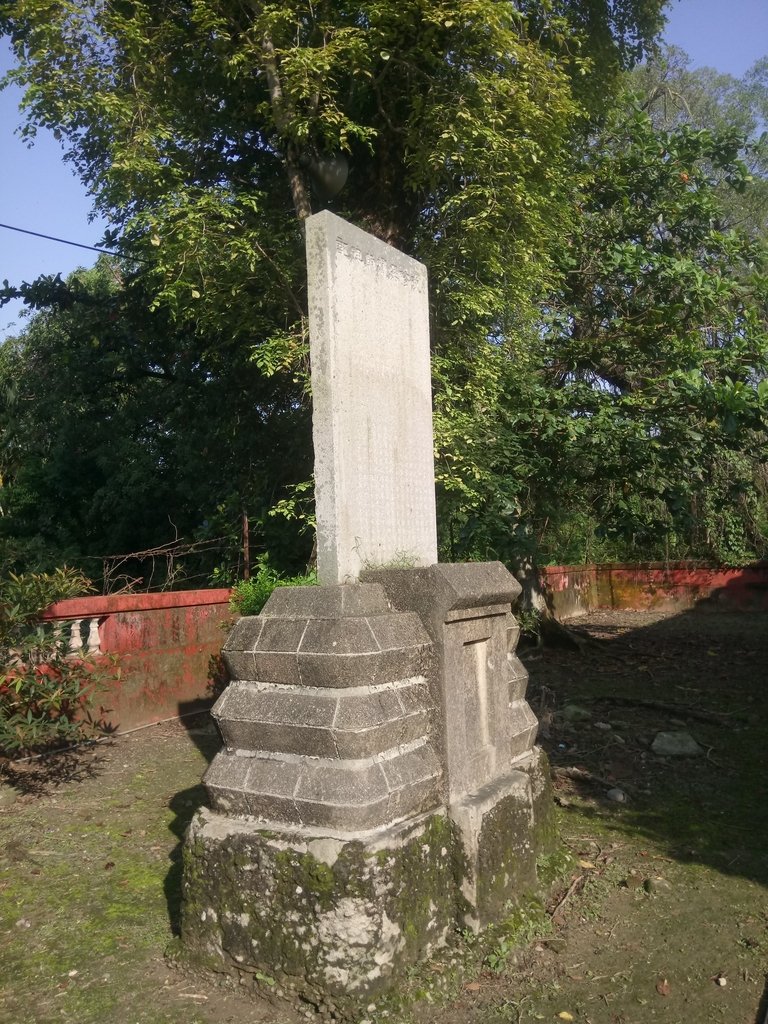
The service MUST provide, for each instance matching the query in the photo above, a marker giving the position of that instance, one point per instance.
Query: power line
(66, 241)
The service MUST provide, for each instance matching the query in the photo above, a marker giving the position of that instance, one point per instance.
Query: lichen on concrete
(299, 928)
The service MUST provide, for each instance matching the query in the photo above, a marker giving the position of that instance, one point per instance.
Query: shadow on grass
(36, 776)
(698, 672)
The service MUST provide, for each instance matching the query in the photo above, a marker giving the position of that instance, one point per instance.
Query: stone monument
(372, 402)
(379, 787)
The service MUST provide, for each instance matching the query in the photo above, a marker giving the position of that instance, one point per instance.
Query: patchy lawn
(664, 917)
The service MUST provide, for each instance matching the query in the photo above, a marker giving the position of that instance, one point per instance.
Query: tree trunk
(534, 599)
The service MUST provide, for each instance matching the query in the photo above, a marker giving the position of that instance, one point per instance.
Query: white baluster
(94, 640)
(75, 640)
(58, 635)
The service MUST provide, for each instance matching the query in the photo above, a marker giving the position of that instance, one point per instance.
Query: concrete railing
(79, 636)
(159, 652)
(574, 590)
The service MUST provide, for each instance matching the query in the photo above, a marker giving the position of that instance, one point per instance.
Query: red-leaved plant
(47, 696)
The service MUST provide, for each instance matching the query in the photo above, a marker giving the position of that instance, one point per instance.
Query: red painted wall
(576, 590)
(165, 647)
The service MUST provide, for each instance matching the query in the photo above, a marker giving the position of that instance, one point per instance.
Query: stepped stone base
(378, 790)
(332, 921)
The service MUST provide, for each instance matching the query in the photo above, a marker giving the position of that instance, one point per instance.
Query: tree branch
(281, 111)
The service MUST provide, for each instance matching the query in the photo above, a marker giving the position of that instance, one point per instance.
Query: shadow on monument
(701, 672)
(202, 731)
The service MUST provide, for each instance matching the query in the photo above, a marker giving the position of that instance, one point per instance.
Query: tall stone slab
(372, 415)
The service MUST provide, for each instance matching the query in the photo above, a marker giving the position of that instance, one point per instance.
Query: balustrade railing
(80, 637)
(161, 646)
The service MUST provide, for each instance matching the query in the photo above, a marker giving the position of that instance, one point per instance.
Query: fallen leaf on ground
(472, 986)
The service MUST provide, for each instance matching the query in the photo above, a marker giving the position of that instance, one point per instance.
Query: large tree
(204, 130)
(674, 94)
(656, 344)
(119, 433)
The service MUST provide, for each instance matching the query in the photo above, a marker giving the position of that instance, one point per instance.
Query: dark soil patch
(668, 897)
(665, 916)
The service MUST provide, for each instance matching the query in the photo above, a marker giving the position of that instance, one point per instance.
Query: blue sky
(39, 191)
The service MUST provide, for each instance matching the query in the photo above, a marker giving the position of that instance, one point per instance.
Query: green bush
(46, 696)
(249, 596)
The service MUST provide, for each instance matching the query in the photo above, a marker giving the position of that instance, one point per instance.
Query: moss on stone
(334, 934)
(339, 934)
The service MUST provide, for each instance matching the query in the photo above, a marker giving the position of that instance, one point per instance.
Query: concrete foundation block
(318, 920)
(379, 786)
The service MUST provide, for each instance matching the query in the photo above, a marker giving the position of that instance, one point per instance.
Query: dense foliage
(46, 697)
(249, 596)
(657, 342)
(598, 322)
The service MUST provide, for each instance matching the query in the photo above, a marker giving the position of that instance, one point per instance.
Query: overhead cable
(66, 241)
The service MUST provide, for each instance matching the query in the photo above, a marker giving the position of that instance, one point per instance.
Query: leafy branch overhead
(598, 322)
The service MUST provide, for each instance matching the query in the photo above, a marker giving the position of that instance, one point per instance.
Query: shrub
(249, 596)
(46, 696)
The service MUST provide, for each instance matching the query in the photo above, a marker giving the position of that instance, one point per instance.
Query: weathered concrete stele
(371, 390)
(379, 788)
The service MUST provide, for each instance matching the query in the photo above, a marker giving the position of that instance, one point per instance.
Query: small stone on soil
(556, 945)
(676, 744)
(8, 795)
(575, 713)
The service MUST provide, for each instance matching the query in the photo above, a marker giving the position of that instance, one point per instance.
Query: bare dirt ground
(664, 916)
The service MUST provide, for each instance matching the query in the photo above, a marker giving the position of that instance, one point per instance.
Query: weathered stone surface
(323, 722)
(338, 636)
(509, 834)
(274, 653)
(225, 780)
(316, 920)
(371, 389)
(523, 726)
(269, 788)
(513, 635)
(393, 632)
(676, 744)
(479, 684)
(518, 678)
(440, 589)
(342, 795)
(256, 716)
(412, 767)
(327, 602)
(301, 645)
(239, 646)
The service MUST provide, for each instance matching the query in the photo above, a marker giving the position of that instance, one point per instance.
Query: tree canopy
(593, 321)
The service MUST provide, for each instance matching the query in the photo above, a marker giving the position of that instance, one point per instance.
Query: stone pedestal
(327, 722)
(378, 788)
(326, 863)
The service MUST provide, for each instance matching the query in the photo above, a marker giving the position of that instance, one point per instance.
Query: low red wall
(165, 649)
(574, 590)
